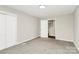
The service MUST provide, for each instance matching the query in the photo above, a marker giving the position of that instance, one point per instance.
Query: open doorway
(51, 29)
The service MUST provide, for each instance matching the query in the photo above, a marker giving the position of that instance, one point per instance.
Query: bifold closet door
(2, 32)
(11, 30)
(8, 31)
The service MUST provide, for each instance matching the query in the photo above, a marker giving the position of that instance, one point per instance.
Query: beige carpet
(42, 46)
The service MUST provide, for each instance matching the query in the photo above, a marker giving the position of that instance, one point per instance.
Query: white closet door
(2, 32)
(11, 30)
(44, 28)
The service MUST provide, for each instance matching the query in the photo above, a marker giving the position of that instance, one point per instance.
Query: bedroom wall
(76, 27)
(28, 26)
(64, 27)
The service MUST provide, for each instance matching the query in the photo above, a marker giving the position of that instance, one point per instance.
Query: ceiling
(50, 10)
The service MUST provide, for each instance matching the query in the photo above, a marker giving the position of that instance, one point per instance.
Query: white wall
(64, 27)
(76, 28)
(28, 26)
(44, 28)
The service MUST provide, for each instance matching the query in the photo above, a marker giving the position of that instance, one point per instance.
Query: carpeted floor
(42, 46)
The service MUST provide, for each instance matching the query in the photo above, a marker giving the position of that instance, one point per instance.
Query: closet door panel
(2, 32)
(11, 30)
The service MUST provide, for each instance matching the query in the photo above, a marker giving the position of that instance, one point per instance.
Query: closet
(8, 30)
(51, 29)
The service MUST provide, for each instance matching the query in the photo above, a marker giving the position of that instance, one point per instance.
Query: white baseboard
(65, 40)
(27, 40)
(22, 41)
(77, 45)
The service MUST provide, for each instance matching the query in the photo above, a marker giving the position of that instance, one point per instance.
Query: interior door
(11, 30)
(44, 28)
(2, 32)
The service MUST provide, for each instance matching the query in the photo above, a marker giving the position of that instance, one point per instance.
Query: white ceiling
(50, 10)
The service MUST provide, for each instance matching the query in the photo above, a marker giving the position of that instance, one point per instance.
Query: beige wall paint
(76, 27)
(28, 26)
(64, 27)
